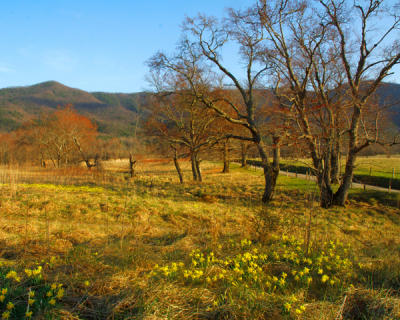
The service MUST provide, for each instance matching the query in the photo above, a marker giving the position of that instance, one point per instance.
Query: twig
(339, 315)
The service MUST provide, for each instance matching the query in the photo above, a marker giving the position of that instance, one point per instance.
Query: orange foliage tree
(62, 137)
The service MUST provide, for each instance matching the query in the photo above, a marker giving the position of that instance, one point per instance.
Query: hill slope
(116, 114)
(389, 94)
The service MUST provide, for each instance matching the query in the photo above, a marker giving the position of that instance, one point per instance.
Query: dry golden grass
(110, 230)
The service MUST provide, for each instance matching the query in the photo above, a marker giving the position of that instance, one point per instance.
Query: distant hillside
(389, 94)
(116, 114)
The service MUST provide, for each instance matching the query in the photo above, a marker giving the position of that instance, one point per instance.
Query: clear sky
(97, 45)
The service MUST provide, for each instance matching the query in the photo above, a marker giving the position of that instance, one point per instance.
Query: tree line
(61, 138)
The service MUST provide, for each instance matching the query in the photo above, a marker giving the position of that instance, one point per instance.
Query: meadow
(380, 166)
(79, 244)
(381, 171)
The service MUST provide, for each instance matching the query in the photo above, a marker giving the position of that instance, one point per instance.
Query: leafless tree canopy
(322, 60)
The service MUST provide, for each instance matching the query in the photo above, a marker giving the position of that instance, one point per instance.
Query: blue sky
(92, 45)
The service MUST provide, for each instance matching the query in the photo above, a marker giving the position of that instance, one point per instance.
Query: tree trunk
(199, 177)
(226, 157)
(42, 161)
(131, 165)
(194, 169)
(271, 171)
(334, 168)
(324, 180)
(270, 175)
(342, 193)
(335, 154)
(178, 167)
(326, 193)
(244, 146)
(88, 164)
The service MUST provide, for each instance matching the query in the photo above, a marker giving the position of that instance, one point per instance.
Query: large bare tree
(329, 60)
(206, 39)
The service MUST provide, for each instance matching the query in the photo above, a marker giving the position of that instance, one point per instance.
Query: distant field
(379, 166)
(378, 171)
(111, 247)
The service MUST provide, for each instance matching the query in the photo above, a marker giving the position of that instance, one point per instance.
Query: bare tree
(182, 120)
(328, 67)
(210, 37)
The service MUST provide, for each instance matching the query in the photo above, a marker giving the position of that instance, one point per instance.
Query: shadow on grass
(376, 197)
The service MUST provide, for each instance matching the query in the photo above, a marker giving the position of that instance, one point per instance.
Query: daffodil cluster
(24, 293)
(329, 265)
(281, 267)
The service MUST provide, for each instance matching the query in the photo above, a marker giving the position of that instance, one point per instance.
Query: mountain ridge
(116, 114)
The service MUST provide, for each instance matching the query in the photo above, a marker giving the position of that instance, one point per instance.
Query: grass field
(377, 171)
(379, 166)
(98, 245)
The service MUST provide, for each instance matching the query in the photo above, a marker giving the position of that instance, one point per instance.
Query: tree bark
(326, 193)
(270, 175)
(194, 166)
(335, 154)
(226, 156)
(131, 165)
(342, 193)
(244, 147)
(199, 177)
(271, 170)
(178, 167)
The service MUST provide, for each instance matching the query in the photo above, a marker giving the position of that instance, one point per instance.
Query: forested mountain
(389, 94)
(116, 114)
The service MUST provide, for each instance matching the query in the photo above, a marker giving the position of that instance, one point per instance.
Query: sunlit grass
(111, 237)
